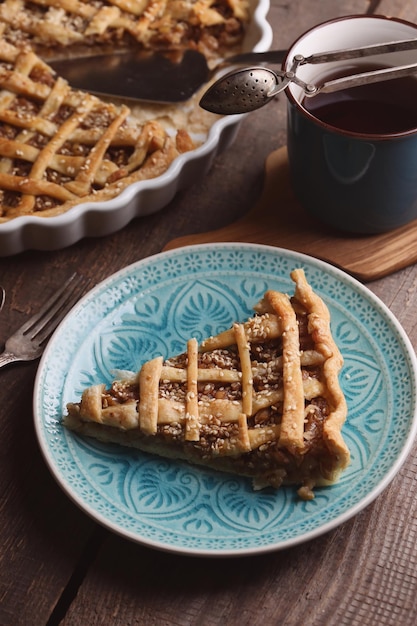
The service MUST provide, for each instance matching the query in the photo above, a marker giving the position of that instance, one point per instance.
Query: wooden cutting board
(279, 220)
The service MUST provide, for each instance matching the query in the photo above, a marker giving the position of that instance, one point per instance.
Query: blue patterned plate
(151, 308)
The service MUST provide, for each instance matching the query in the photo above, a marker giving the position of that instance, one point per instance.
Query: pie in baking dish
(60, 147)
(52, 26)
(261, 399)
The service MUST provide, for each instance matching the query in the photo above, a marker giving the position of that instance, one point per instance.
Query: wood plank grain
(404, 9)
(43, 536)
(53, 555)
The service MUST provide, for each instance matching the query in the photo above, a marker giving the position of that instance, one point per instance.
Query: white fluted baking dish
(141, 198)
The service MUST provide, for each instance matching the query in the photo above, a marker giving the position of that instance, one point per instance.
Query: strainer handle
(363, 78)
(364, 51)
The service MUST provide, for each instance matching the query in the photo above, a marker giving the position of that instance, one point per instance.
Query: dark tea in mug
(387, 107)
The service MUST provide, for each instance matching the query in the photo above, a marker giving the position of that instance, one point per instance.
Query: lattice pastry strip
(192, 425)
(260, 399)
(292, 422)
(60, 147)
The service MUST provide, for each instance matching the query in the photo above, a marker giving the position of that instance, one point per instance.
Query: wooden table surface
(58, 566)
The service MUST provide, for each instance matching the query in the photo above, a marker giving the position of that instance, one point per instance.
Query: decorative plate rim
(297, 259)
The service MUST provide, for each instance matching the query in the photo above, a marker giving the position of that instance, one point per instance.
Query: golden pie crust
(60, 147)
(211, 26)
(261, 399)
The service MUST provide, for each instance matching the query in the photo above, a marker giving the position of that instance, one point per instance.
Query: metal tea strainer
(245, 90)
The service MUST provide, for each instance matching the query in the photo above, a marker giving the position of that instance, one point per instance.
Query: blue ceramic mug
(349, 168)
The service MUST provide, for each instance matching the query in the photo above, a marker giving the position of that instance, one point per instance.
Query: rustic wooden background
(57, 566)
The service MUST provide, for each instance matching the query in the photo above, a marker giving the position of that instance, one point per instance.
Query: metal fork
(29, 341)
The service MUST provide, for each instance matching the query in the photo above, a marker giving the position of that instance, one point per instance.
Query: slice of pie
(261, 399)
(60, 147)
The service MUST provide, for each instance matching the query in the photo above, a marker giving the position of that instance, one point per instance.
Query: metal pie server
(169, 77)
